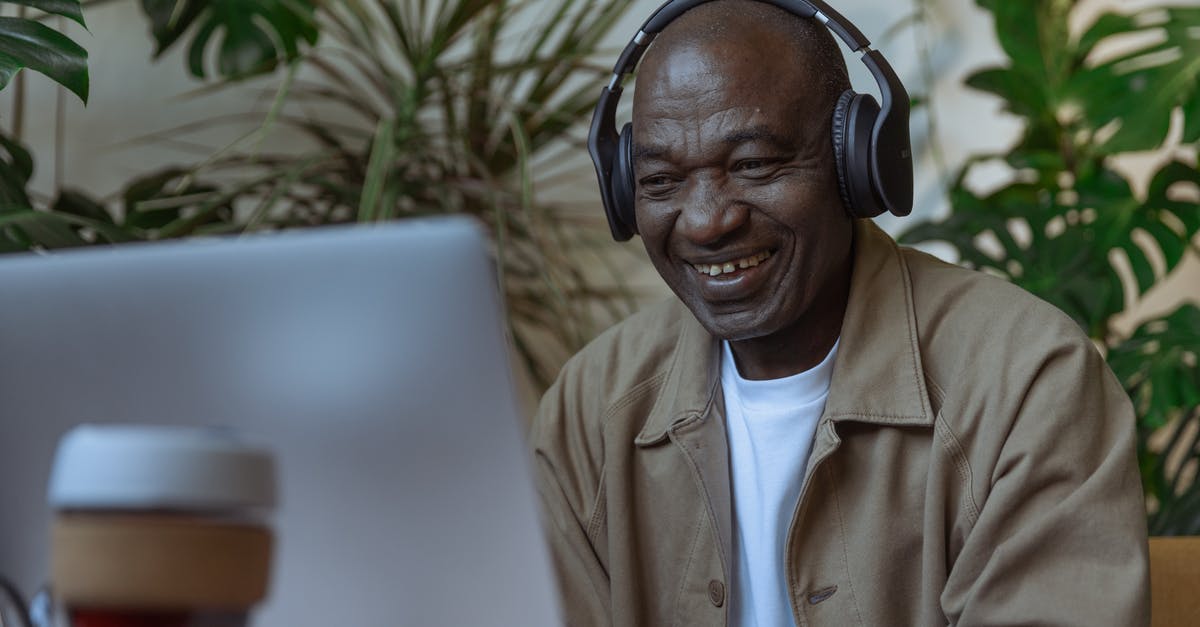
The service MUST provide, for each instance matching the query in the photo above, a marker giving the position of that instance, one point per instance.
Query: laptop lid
(372, 360)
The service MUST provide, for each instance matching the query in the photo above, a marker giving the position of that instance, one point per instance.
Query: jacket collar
(877, 378)
(691, 388)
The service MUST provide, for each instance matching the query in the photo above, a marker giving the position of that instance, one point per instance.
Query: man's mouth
(732, 265)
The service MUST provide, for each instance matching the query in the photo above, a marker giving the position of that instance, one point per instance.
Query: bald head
(803, 50)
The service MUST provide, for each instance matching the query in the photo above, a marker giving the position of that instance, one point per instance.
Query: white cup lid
(160, 467)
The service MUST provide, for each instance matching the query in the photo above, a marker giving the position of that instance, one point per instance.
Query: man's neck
(803, 344)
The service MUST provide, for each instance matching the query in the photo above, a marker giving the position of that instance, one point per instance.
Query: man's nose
(709, 214)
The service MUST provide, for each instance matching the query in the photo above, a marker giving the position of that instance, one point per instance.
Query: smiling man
(823, 428)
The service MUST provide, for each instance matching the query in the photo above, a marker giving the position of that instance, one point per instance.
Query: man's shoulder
(973, 326)
(630, 352)
(627, 360)
(947, 294)
(619, 373)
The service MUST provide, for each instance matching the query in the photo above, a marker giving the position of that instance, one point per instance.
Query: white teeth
(717, 269)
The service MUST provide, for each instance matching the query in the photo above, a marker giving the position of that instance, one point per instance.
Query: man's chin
(734, 325)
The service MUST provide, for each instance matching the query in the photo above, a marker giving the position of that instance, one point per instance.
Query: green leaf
(382, 149)
(1141, 102)
(78, 204)
(1159, 356)
(1040, 161)
(169, 20)
(245, 50)
(70, 9)
(1021, 95)
(195, 56)
(1033, 33)
(1105, 26)
(16, 168)
(1139, 89)
(28, 44)
(25, 228)
(166, 199)
(44, 229)
(1173, 246)
(149, 187)
(254, 37)
(1173, 223)
(1158, 367)
(1191, 121)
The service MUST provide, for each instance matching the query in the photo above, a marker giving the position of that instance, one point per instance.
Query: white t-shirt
(770, 428)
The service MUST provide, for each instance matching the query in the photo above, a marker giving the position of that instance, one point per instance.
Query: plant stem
(60, 124)
(18, 114)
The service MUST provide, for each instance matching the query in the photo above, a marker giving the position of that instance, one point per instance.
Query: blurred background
(1055, 142)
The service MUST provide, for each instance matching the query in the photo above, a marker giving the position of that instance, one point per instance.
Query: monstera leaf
(1132, 94)
(1054, 228)
(255, 35)
(1158, 366)
(26, 43)
(1117, 102)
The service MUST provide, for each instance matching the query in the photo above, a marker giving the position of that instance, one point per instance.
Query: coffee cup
(159, 526)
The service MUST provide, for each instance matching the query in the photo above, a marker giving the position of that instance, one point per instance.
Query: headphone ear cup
(853, 125)
(840, 112)
(623, 185)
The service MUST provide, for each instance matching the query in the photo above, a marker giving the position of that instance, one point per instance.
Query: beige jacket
(974, 465)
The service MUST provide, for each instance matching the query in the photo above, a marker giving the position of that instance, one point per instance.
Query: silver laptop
(371, 359)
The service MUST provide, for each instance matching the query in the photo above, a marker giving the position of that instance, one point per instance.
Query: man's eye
(657, 182)
(752, 166)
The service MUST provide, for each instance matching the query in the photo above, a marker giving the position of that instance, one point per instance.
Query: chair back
(1175, 581)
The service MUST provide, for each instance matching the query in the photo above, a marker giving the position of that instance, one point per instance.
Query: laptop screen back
(371, 360)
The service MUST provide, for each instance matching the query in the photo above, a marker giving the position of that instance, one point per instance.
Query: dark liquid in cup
(83, 617)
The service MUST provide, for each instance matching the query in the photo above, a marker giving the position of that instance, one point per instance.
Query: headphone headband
(670, 11)
(892, 182)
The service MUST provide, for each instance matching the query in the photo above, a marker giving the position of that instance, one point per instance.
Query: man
(826, 429)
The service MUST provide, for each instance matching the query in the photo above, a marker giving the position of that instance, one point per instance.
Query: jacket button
(716, 593)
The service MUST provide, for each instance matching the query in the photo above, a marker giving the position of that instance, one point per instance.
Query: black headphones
(871, 145)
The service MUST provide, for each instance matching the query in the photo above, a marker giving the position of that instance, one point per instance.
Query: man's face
(737, 200)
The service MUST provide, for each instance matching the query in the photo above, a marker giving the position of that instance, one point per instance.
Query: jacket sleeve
(567, 473)
(1060, 537)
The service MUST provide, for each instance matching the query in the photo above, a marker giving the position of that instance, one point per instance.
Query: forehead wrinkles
(676, 137)
(691, 95)
(714, 72)
(698, 84)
